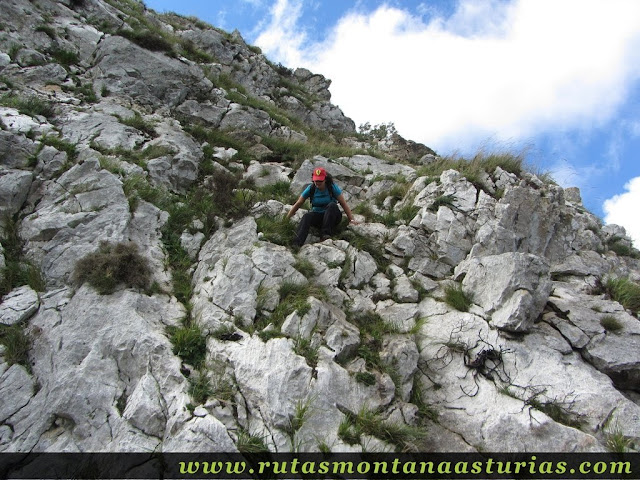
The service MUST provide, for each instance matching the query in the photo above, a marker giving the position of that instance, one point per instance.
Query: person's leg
(331, 219)
(309, 219)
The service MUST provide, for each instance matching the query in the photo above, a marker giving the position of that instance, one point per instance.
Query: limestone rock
(84, 204)
(513, 288)
(18, 305)
(14, 188)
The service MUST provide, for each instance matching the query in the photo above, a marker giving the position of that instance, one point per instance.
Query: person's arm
(296, 206)
(346, 209)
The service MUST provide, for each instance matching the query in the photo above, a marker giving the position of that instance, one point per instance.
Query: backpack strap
(312, 191)
(329, 185)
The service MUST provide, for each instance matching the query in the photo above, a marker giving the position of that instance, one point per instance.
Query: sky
(556, 79)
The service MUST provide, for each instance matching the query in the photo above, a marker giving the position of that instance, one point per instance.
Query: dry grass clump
(112, 265)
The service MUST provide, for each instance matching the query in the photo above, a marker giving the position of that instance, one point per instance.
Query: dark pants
(326, 221)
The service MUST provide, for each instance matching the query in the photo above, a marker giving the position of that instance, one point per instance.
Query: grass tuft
(112, 265)
(278, 229)
(625, 292)
(29, 105)
(189, 344)
(16, 344)
(611, 323)
(455, 297)
(406, 438)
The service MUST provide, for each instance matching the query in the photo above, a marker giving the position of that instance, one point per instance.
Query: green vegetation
(303, 347)
(16, 344)
(611, 323)
(279, 229)
(280, 191)
(248, 443)
(364, 243)
(373, 328)
(189, 344)
(366, 378)
(302, 412)
(481, 162)
(17, 270)
(219, 138)
(46, 29)
(86, 92)
(442, 200)
(136, 156)
(403, 215)
(139, 123)
(369, 132)
(625, 292)
(112, 265)
(64, 57)
(455, 297)
(150, 38)
(61, 145)
(29, 105)
(425, 411)
(622, 249)
(615, 439)
(200, 387)
(475, 168)
(404, 437)
(293, 297)
(304, 266)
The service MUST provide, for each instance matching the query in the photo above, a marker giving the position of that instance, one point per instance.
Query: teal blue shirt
(321, 198)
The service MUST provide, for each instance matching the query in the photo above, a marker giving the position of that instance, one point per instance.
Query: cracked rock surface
(239, 340)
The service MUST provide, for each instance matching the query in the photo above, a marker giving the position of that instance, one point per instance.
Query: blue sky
(559, 79)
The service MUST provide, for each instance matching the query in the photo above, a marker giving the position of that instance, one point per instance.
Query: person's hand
(353, 221)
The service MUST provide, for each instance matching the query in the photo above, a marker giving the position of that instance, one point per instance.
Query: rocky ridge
(186, 146)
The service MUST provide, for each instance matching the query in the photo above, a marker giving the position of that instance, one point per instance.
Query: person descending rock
(325, 214)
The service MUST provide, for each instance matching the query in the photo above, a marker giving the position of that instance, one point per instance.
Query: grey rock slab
(401, 316)
(15, 150)
(371, 165)
(267, 173)
(513, 288)
(177, 170)
(151, 78)
(87, 354)
(14, 189)
(403, 291)
(16, 389)
(472, 405)
(233, 267)
(18, 123)
(201, 434)
(343, 338)
(73, 213)
(401, 353)
(19, 305)
(342, 174)
(104, 130)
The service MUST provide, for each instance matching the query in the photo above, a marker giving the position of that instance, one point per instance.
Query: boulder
(512, 288)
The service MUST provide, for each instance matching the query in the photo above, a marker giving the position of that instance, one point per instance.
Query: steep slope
(151, 300)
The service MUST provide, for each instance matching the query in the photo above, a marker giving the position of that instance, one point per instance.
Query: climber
(325, 214)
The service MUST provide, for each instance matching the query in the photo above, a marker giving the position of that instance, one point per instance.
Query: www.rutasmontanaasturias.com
(399, 467)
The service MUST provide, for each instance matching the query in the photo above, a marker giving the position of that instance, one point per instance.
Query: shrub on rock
(112, 265)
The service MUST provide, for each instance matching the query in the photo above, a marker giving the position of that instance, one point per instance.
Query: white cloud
(282, 38)
(623, 210)
(493, 68)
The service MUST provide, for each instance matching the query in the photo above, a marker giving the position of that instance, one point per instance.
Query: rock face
(151, 300)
